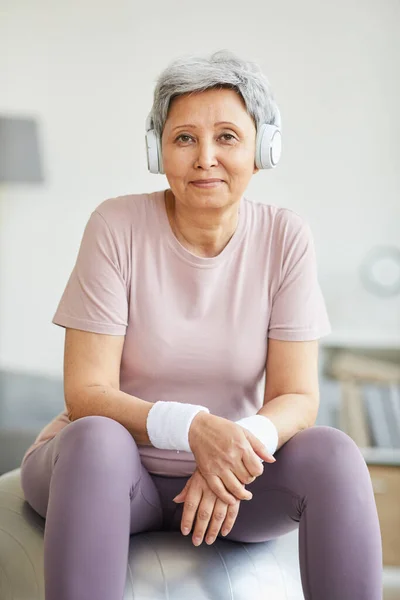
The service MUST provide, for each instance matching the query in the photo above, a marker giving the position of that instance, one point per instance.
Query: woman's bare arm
(91, 382)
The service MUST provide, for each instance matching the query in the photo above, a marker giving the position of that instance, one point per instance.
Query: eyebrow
(217, 123)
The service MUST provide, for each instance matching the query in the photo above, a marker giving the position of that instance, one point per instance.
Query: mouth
(207, 183)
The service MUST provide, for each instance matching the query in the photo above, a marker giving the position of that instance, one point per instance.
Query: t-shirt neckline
(184, 253)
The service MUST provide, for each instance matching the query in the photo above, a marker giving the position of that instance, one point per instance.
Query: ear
(256, 169)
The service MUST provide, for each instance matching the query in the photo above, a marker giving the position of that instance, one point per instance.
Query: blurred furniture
(20, 162)
(161, 565)
(19, 151)
(13, 444)
(369, 412)
(27, 403)
(386, 484)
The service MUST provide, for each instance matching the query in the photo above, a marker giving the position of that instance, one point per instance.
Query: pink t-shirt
(196, 329)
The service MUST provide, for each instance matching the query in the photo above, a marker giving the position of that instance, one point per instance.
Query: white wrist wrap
(168, 424)
(264, 429)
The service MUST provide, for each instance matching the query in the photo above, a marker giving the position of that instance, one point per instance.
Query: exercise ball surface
(162, 565)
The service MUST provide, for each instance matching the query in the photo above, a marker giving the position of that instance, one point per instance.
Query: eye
(183, 135)
(229, 137)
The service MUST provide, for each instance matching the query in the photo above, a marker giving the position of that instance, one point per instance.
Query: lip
(207, 180)
(207, 183)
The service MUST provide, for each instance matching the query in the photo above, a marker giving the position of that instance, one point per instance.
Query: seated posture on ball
(192, 318)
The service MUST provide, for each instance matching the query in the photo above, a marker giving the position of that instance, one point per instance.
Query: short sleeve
(298, 311)
(95, 298)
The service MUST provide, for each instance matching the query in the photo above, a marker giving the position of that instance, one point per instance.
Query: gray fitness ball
(161, 565)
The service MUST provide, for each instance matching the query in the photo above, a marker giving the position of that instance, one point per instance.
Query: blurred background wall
(85, 71)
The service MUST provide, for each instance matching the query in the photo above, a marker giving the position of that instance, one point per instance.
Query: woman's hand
(211, 511)
(227, 455)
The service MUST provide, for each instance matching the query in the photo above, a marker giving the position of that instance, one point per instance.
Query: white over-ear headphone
(268, 145)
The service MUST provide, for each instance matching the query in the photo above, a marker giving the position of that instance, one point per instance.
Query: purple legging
(89, 484)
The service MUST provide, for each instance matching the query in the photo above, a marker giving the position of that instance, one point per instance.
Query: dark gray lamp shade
(19, 151)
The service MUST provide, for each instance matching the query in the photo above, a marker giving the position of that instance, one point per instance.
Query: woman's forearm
(106, 401)
(290, 414)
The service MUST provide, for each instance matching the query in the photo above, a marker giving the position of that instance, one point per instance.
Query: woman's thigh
(319, 468)
(315, 463)
(36, 472)
(319, 472)
(89, 457)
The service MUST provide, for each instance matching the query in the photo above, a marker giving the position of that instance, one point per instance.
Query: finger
(217, 519)
(216, 485)
(203, 517)
(192, 502)
(182, 494)
(230, 518)
(242, 474)
(180, 497)
(235, 487)
(258, 447)
(253, 464)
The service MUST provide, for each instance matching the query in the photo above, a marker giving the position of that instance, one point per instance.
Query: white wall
(86, 70)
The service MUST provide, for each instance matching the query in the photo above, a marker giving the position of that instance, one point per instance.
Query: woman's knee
(324, 449)
(97, 439)
(326, 439)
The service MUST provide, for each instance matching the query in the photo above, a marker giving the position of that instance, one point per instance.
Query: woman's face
(196, 146)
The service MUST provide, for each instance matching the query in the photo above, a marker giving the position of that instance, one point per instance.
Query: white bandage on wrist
(264, 429)
(168, 424)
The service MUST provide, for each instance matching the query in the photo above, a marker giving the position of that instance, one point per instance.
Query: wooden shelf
(368, 414)
(386, 485)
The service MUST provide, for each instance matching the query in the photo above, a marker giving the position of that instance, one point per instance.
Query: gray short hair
(191, 74)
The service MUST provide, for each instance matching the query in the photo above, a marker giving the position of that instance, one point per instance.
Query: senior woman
(192, 320)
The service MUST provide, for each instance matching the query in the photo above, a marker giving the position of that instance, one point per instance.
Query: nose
(206, 155)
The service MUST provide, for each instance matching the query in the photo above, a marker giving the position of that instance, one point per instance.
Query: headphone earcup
(160, 160)
(268, 146)
(152, 151)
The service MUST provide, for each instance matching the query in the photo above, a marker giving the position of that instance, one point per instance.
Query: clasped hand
(227, 457)
(211, 511)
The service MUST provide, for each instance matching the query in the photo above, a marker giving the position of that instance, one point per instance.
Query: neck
(203, 232)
